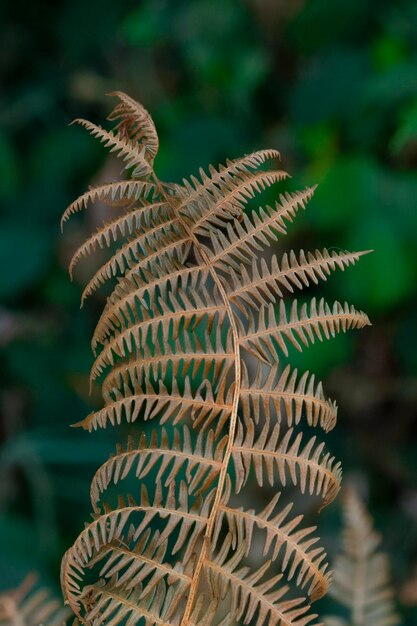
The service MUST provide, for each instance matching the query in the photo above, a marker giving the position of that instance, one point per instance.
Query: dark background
(333, 86)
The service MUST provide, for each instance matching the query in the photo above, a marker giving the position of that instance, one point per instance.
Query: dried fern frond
(30, 606)
(361, 573)
(190, 307)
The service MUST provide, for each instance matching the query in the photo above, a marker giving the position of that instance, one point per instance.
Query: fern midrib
(233, 417)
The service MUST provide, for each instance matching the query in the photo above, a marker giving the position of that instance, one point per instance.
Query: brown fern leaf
(190, 307)
(243, 241)
(253, 597)
(114, 526)
(121, 190)
(301, 558)
(202, 461)
(263, 284)
(139, 255)
(129, 566)
(196, 356)
(114, 606)
(130, 293)
(229, 200)
(361, 577)
(172, 310)
(288, 399)
(272, 455)
(194, 191)
(133, 157)
(265, 333)
(133, 222)
(140, 397)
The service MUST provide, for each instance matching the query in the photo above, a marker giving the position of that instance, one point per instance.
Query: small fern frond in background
(361, 579)
(190, 310)
(30, 606)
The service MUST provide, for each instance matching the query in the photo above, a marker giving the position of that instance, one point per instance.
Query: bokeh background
(333, 86)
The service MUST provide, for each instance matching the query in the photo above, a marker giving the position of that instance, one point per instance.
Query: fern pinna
(190, 312)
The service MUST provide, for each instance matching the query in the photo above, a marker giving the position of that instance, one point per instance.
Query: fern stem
(233, 417)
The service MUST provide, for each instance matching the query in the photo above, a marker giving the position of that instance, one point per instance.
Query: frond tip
(135, 122)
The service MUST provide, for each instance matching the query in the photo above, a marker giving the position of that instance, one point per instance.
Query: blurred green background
(333, 86)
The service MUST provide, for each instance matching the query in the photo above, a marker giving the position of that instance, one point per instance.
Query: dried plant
(190, 311)
(361, 574)
(28, 606)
